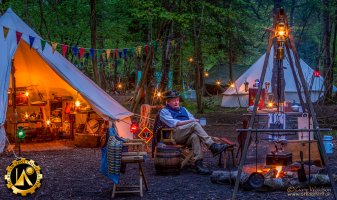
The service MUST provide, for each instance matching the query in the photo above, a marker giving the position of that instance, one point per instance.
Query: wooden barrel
(167, 160)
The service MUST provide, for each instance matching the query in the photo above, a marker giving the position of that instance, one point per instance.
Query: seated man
(187, 130)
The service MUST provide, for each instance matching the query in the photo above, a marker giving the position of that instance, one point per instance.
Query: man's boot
(217, 148)
(200, 169)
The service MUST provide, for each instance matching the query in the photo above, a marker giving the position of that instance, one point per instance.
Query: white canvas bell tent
(50, 73)
(233, 97)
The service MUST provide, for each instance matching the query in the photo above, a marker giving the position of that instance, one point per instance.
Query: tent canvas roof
(47, 70)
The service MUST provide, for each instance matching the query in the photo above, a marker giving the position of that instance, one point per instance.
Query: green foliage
(236, 25)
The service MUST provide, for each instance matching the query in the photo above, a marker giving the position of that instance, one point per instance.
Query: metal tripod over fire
(281, 39)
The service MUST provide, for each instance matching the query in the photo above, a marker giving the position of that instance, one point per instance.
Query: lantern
(246, 86)
(27, 93)
(77, 103)
(190, 60)
(21, 133)
(316, 72)
(206, 74)
(134, 127)
(218, 82)
(281, 29)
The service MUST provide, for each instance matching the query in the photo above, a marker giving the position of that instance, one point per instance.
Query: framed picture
(21, 99)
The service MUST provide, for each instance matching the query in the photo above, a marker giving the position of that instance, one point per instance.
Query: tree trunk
(292, 11)
(166, 61)
(198, 73)
(333, 55)
(198, 62)
(102, 65)
(230, 60)
(177, 76)
(328, 74)
(93, 40)
(43, 21)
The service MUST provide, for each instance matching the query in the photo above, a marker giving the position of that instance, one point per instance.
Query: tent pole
(295, 77)
(237, 94)
(252, 119)
(14, 101)
(313, 115)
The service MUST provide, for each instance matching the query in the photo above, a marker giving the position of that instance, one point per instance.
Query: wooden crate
(295, 146)
(86, 140)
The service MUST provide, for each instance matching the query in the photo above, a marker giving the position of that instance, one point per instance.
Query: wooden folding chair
(135, 155)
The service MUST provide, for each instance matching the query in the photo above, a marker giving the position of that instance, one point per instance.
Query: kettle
(295, 107)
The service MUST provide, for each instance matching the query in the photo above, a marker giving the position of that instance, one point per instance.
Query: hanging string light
(232, 85)
(218, 82)
(206, 74)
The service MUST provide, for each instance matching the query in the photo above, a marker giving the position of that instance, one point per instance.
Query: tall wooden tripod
(282, 36)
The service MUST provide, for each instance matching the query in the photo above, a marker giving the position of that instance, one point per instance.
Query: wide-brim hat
(171, 94)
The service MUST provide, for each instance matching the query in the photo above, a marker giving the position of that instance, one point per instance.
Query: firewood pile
(274, 178)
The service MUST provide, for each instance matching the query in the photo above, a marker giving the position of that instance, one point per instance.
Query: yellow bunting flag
(173, 43)
(53, 45)
(107, 51)
(139, 51)
(5, 29)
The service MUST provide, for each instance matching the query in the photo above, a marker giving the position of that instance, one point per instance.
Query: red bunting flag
(18, 37)
(116, 53)
(82, 51)
(146, 49)
(64, 49)
(5, 29)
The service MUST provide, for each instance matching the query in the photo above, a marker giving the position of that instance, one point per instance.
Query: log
(228, 177)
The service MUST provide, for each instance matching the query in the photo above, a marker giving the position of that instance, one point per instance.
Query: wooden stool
(136, 155)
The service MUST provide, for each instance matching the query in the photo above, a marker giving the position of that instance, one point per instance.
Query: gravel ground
(74, 174)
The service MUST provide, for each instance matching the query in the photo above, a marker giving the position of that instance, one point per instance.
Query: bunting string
(80, 52)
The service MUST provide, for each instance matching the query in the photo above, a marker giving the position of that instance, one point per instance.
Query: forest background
(185, 37)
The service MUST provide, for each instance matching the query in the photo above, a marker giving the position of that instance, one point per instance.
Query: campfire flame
(279, 169)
